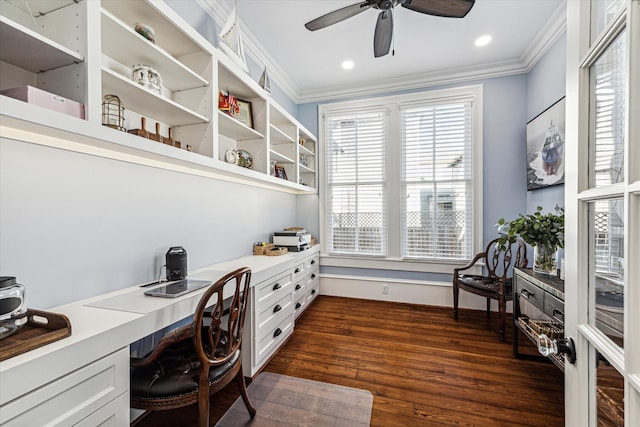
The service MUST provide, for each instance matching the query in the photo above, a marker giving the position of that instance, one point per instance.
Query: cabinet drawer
(313, 262)
(554, 307)
(530, 292)
(268, 289)
(269, 314)
(73, 397)
(298, 271)
(299, 287)
(269, 343)
(312, 276)
(313, 292)
(300, 304)
(113, 414)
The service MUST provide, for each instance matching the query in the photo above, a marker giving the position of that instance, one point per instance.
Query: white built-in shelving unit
(94, 56)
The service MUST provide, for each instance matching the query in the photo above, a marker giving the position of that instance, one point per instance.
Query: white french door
(602, 212)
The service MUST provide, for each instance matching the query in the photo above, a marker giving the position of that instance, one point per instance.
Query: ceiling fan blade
(384, 32)
(445, 8)
(338, 15)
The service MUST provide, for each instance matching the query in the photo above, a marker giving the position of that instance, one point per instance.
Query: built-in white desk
(84, 379)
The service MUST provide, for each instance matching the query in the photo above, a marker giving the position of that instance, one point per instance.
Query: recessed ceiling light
(347, 65)
(482, 41)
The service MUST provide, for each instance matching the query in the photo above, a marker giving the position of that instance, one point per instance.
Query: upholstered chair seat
(197, 360)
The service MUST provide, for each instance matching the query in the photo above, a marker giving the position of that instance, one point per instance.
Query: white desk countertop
(99, 329)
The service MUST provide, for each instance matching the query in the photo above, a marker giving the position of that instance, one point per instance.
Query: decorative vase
(545, 260)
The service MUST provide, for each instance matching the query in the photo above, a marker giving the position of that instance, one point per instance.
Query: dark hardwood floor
(423, 367)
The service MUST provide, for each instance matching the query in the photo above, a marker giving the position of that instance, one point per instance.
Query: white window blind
(355, 167)
(608, 99)
(437, 210)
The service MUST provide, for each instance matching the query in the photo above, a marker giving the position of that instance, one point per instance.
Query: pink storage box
(39, 97)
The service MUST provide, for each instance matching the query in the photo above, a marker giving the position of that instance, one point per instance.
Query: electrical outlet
(385, 289)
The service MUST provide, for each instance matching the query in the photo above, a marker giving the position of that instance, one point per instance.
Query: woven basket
(262, 249)
(276, 251)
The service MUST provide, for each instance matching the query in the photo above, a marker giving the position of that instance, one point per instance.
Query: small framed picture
(245, 113)
(280, 172)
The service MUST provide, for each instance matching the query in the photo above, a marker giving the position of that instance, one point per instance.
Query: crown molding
(417, 81)
(548, 35)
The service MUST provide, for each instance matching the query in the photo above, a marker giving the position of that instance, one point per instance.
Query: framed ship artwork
(545, 147)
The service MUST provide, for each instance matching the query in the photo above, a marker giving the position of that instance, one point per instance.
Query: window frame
(393, 165)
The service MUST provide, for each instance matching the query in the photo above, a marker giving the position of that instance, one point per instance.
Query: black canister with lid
(176, 260)
(12, 309)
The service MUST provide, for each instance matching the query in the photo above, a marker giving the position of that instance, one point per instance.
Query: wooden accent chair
(496, 282)
(195, 361)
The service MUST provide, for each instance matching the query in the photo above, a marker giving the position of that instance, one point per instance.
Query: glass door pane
(609, 394)
(606, 279)
(608, 77)
(603, 12)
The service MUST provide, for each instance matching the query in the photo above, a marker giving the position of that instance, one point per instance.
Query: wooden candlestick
(141, 132)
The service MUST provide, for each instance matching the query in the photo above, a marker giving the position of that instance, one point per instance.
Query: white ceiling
(428, 50)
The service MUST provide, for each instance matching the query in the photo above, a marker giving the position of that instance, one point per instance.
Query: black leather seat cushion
(484, 283)
(175, 373)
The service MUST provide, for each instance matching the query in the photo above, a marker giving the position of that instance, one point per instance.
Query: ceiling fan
(384, 25)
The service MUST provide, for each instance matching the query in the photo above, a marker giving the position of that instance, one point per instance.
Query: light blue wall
(75, 226)
(509, 103)
(504, 155)
(545, 86)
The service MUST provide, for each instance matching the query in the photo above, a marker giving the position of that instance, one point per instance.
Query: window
(436, 180)
(355, 182)
(402, 176)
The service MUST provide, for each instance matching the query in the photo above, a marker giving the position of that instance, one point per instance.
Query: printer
(294, 240)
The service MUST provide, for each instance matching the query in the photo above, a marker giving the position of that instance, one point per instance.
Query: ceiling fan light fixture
(483, 40)
(348, 64)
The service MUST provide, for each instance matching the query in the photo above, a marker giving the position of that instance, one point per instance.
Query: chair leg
(243, 391)
(456, 291)
(203, 405)
(501, 316)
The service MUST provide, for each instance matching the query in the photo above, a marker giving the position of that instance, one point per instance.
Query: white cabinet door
(73, 397)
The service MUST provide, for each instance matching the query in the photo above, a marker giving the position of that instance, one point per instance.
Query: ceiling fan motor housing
(385, 4)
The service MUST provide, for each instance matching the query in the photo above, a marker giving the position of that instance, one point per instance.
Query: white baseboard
(400, 290)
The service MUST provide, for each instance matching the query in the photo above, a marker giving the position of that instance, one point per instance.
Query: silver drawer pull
(558, 315)
(527, 295)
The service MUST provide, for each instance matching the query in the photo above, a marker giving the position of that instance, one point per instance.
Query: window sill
(443, 267)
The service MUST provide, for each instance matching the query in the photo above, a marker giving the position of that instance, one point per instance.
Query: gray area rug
(281, 400)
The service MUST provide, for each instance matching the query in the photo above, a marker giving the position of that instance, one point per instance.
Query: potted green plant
(545, 232)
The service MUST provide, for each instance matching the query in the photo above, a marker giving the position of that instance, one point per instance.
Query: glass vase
(545, 260)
